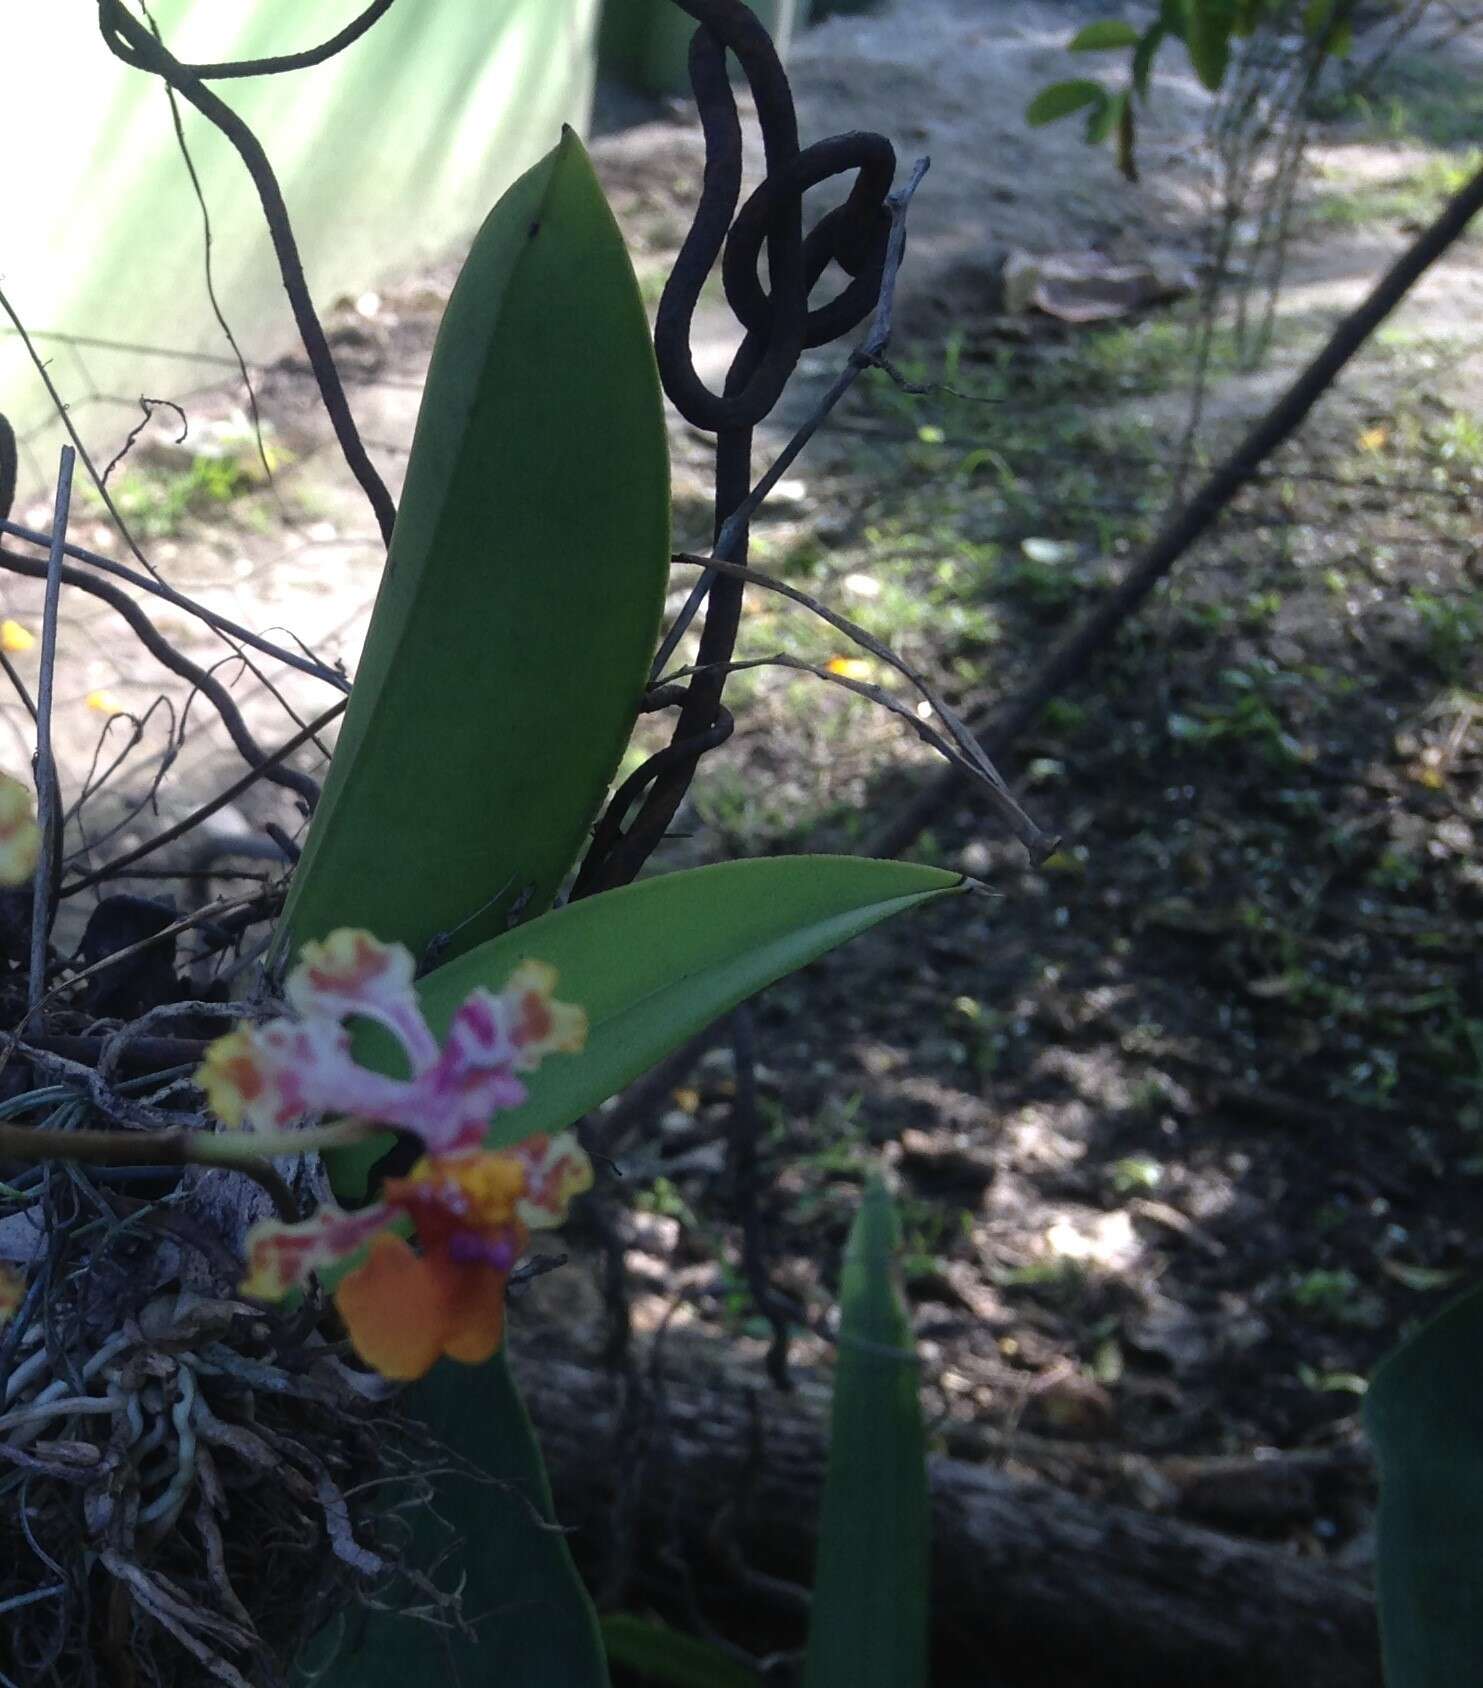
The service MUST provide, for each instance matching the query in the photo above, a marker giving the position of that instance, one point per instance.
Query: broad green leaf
(1148, 46)
(511, 637)
(664, 1655)
(536, 1624)
(1104, 34)
(1317, 16)
(1422, 1413)
(1207, 35)
(1061, 99)
(1102, 118)
(655, 962)
(868, 1627)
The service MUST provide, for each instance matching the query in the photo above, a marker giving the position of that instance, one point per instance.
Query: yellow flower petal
(232, 1076)
(14, 638)
(20, 837)
(543, 1026)
(851, 667)
(482, 1187)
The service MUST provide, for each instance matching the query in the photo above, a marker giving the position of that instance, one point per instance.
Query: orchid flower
(20, 837)
(472, 1209)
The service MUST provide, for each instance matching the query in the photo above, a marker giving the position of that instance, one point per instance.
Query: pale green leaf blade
(869, 1623)
(511, 638)
(655, 962)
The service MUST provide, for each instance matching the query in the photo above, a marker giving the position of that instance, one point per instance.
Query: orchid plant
(451, 817)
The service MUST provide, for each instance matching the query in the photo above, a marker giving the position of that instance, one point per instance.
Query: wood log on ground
(1032, 1585)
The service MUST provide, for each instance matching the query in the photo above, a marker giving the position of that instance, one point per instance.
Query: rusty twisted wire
(779, 326)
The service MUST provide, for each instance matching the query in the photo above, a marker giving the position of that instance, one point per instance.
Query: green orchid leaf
(656, 962)
(535, 1622)
(868, 1627)
(1422, 1415)
(510, 642)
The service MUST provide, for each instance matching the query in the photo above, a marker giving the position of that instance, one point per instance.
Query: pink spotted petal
(280, 1257)
(312, 1072)
(352, 972)
(474, 1077)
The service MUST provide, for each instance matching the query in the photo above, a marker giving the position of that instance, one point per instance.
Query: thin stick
(206, 810)
(352, 32)
(247, 1152)
(11, 1040)
(48, 802)
(219, 623)
(132, 42)
(64, 414)
(964, 753)
(235, 1150)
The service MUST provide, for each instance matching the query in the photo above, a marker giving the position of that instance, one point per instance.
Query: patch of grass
(1412, 198)
(1249, 712)
(158, 503)
(1060, 1279)
(1332, 1295)
(1452, 627)
(158, 493)
(1414, 97)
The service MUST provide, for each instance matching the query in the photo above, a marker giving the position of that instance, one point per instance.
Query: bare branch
(48, 799)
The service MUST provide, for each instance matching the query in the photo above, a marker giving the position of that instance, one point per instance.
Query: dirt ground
(1187, 1122)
